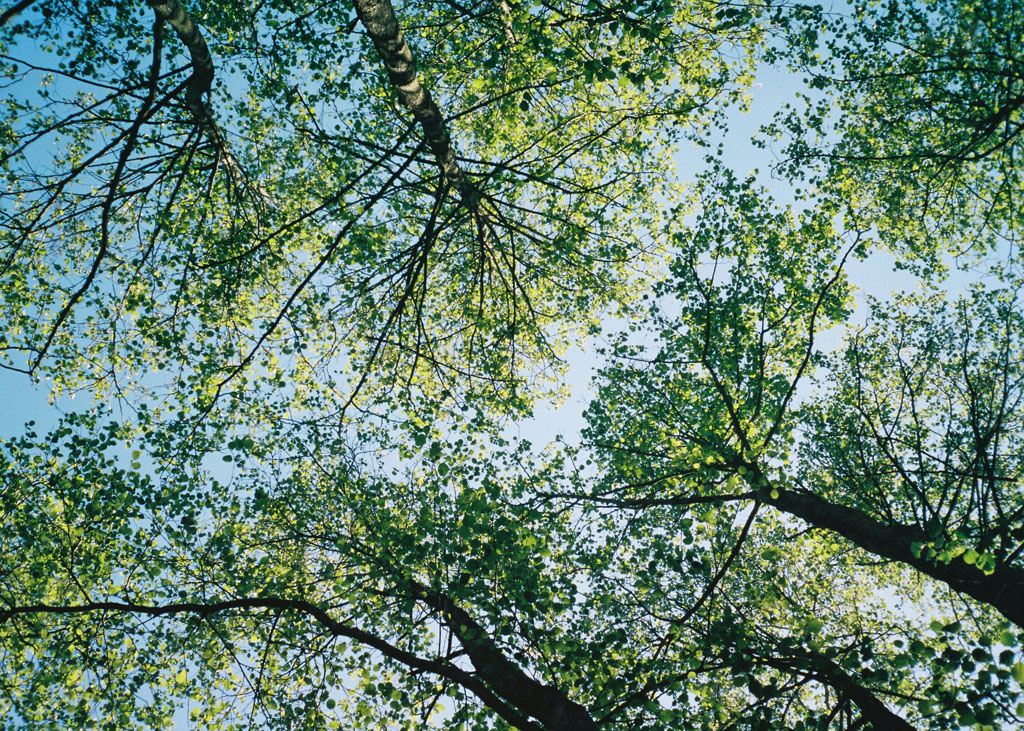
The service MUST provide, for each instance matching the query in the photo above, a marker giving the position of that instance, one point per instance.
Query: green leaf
(1017, 671)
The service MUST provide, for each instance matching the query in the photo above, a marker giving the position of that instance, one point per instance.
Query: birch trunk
(378, 17)
(199, 84)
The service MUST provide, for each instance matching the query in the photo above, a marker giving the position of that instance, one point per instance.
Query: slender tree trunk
(1002, 589)
(202, 62)
(198, 87)
(378, 17)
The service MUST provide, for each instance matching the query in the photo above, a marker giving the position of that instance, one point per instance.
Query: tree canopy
(313, 270)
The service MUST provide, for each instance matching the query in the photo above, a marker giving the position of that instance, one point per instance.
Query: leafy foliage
(312, 267)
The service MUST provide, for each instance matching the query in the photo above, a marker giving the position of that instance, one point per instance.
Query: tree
(307, 263)
(927, 97)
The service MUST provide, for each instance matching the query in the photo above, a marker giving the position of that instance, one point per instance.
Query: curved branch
(202, 61)
(11, 12)
(108, 203)
(317, 613)
(832, 674)
(199, 85)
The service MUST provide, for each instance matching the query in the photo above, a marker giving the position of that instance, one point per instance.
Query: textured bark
(506, 22)
(199, 85)
(550, 706)
(202, 62)
(378, 17)
(1003, 589)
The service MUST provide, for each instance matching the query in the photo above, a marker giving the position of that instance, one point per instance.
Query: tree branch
(11, 12)
(1002, 589)
(202, 62)
(555, 710)
(199, 85)
(827, 671)
(317, 613)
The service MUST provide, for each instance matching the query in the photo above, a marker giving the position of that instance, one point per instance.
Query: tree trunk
(198, 87)
(199, 83)
(830, 673)
(550, 706)
(378, 17)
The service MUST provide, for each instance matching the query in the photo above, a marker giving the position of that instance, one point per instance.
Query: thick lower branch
(1003, 589)
(827, 671)
(550, 706)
